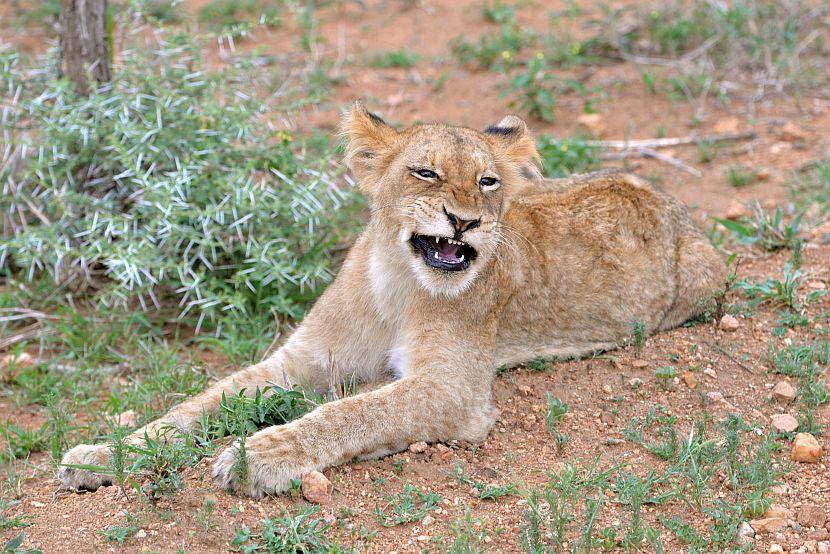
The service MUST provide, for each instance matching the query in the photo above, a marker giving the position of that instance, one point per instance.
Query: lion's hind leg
(701, 276)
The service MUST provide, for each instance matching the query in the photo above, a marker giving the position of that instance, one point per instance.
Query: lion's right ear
(368, 139)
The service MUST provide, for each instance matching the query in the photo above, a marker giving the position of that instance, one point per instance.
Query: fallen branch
(638, 144)
(671, 160)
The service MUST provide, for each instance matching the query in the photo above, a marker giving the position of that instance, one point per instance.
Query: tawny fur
(565, 267)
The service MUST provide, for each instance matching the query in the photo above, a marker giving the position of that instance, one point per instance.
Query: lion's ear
(368, 138)
(512, 138)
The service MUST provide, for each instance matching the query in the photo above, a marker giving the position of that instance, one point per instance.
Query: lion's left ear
(369, 139)
(512, 139)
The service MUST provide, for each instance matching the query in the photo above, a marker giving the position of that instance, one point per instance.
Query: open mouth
(444, 253)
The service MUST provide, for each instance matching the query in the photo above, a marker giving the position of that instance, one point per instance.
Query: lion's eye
(489, 183)
(426, 174)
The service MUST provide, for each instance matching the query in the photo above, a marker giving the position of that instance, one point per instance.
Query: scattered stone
(709, 372)
(819, 535)
(768, 524)
(792, 133)
(316, 488)
(736, 210)
(428, 520)
(746, 530)
(10, 364)
(811, 515)
(728, 323)
(442, 448)
(607, 389)
(823, 547)
(124, 419)
(37, 504)
(810, 546)
(783, 391)
(525, 390)
(418, 447)
(141, 534)
(594, 123)
(780, 490)
(784, 423)
(690, 379)
(775, 548)
(639, 363)
(778, 511)
(715, 397)
(635, 383)
(796, 526)
(727, 125)
(805, 448)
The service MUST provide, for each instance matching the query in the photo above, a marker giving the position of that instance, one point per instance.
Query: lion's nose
(461, 225)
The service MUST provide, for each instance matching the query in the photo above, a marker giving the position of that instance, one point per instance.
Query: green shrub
(170, 184)
(563, 157)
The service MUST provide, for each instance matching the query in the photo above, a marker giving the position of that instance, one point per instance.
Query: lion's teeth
(461, 259)
(436, 255)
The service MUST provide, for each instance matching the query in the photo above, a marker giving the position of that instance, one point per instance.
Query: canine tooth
(436, 255)
(461, 259)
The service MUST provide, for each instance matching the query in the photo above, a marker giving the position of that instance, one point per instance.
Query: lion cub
(470, 260)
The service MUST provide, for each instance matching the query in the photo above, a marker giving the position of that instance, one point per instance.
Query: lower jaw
(446, 266)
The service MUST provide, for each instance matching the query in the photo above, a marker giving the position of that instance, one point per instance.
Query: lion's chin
(443, 253)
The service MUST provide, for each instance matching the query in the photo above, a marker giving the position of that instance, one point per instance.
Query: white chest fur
(392, 286)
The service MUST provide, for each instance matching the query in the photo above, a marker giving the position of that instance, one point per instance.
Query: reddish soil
(597, 391)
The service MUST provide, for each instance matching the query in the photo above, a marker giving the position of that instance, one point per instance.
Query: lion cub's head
(437, 193)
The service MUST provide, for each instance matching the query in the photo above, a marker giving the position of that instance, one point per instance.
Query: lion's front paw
(78, 479)
(270, 460)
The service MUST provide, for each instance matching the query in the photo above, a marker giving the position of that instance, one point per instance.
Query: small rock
(728, 323)
(819, 535)
(715, 397)
(810, 545)
(442, 448)
(768, 524)
(784, 423)
(805, 448)
(783, 391)
(780, 490)
(792, 133)
(709, 372)
(525, 390)
(639, 363)
(746, 530)
(607, 389)
(736, 210)
(141, 534)
(823, 547)
(594, 123)
(776, 549)
(124, 419)
(418, 447)
(811, 515)
(778, 511)
(316, 488)
(690, 379)
(37, 504)
(428, 520)
(10, 365)
(726, 125)
(635, 383)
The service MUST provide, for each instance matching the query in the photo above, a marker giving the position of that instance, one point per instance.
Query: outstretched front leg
(294, 364)
(446, 395)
